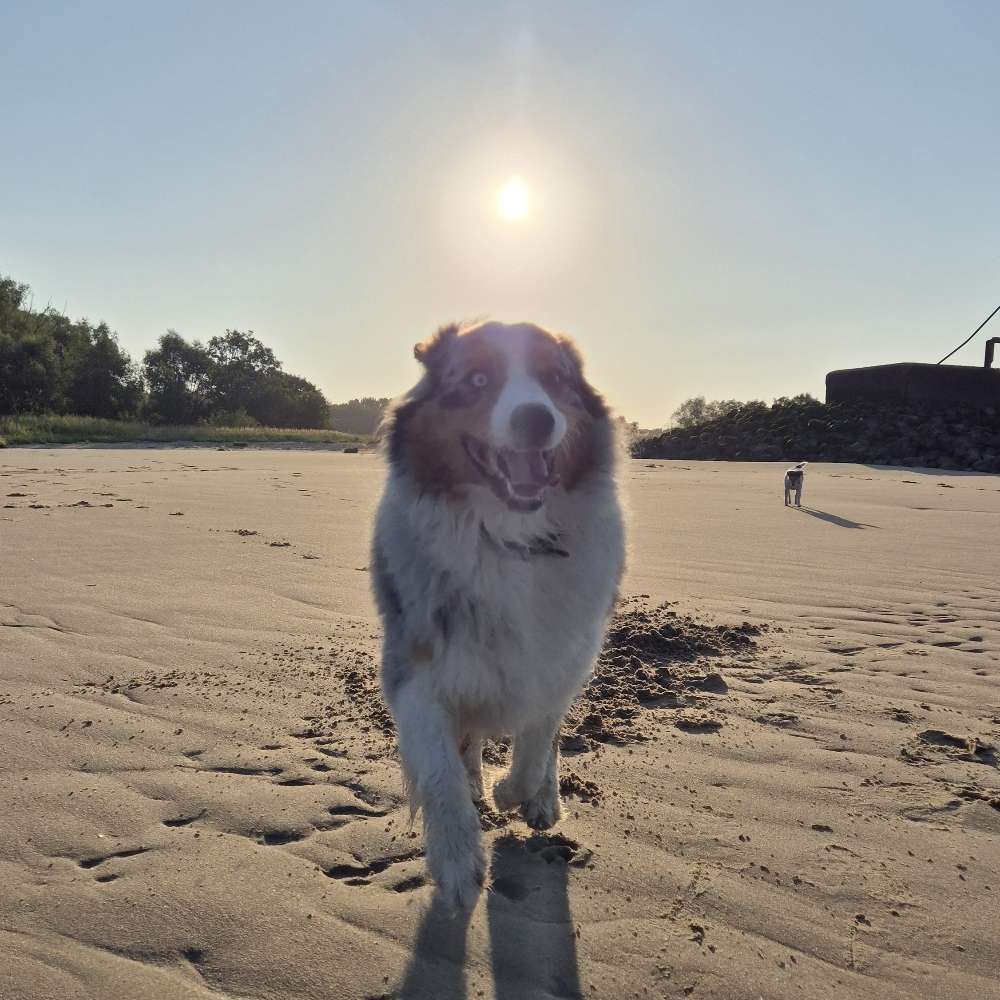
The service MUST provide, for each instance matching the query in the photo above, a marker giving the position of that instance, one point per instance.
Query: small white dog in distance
(498, 550)
(794, 480)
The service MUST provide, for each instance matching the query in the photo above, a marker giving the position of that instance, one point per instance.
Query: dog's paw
(457, 863)
(544, 810)
(506, 795)
(460, 881)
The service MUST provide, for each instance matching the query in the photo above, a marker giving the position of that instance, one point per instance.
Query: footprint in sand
(360, 873)
(252, 771)
(93, 862)
(409, 884)
(183, 820)
(965, 748)
(780, 719)
(277, 838)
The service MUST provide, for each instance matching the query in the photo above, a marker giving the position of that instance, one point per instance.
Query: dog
(497, 554)
(794, 480)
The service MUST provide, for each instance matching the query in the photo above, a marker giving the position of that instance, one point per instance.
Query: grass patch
(32, 428)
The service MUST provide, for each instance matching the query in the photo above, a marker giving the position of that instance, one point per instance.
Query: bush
(232, 418)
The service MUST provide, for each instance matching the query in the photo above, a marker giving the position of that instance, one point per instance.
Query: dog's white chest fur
(504, 611)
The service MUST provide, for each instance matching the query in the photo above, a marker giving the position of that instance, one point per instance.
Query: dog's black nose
(531, 425)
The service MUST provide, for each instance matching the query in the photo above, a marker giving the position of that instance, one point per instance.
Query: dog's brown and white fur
(498, 550)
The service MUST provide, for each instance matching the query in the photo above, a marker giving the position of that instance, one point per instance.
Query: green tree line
(50, 364)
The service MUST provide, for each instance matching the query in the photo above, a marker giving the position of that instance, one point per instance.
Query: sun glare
(514, 200)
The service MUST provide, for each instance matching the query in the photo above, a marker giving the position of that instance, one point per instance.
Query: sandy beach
(787, 786)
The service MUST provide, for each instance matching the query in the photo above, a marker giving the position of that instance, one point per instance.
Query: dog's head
(500, 406)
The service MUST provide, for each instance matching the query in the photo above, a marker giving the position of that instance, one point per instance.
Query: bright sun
(513, 200)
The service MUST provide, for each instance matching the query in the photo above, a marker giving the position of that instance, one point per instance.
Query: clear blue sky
(727, 199)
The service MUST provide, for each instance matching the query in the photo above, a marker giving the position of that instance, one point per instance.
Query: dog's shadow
(841, 522)
(532, 936)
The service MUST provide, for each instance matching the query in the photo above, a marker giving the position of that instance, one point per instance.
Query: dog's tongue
(529, 470)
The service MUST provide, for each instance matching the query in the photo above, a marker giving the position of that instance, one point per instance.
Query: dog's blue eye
(478, 380)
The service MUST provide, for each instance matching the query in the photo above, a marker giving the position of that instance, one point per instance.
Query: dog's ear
(592, 400)
(433, 352)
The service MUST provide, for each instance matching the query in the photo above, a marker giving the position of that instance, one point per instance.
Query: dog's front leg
(438, 784)
(472, 757)
(533, 780)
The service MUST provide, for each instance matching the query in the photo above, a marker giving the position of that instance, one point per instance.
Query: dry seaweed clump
(654, 657)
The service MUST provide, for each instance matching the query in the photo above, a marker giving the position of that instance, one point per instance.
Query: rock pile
(793, 430)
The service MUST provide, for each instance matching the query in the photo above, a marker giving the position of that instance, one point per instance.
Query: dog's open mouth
(522, 479)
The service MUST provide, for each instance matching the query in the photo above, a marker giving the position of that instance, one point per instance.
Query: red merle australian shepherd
(497, 554)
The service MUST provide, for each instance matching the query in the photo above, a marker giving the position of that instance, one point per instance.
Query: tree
(27, 365)
(103, 382)
(11, 299)
(691, 412)
(240, 365)
(27, 374)
(283, 400)
(178, 377)
(246, 376)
